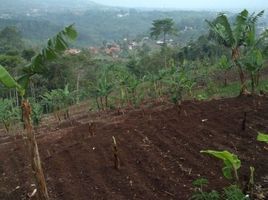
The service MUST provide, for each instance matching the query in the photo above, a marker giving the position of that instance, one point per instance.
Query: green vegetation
(230, 171)
(200, 194)
(54, 47)
(262, 137)
(128, 69)
(231, 163)
(163, 26)
(230, 192)
(37, 111)
(234, 37)
(9, 114)
(142, 69)
(58, 100)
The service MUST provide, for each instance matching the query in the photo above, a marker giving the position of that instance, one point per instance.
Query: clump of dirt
(159, 151)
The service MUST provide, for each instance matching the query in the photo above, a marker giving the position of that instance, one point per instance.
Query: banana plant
(55, 46)
(101, 90)
(235, 36)
(157, 81)
(37, 112)
(178, 83)
(58, 100)
(120, 76)
(231, 163)
(225, 65)
(131, 83)
(254, 62)
(8, 113)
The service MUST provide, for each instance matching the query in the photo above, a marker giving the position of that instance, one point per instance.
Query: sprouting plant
(200, 183)
(231, 163)
(200, 194)
(233, 192)
(262, 137)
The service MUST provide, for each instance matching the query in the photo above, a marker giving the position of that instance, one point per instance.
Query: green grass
(231, 90)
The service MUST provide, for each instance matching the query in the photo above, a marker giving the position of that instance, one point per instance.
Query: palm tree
(234, 37)
(163, 26)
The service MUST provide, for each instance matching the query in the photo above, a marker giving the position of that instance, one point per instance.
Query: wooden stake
(91, 129)
(244, 121)
(115, 151)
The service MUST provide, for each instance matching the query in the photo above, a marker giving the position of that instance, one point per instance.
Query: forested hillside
(38, 20)
(95, 23)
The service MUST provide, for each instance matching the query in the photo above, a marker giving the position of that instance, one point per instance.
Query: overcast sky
(189, 4)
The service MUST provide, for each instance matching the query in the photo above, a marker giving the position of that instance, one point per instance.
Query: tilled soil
(159, 150)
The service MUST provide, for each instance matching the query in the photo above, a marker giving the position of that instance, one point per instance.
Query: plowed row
(159, 149)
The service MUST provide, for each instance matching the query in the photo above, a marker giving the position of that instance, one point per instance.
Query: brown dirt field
(158, 148)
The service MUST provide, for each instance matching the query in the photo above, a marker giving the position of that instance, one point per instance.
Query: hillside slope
(159, 151)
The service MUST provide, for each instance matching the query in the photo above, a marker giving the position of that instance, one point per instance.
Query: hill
(33, 6)
(96, 23)
(105, 24)
(159, 151)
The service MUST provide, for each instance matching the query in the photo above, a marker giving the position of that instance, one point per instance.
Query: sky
(189, 4)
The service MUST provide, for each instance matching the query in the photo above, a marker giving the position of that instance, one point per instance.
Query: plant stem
(34, 152)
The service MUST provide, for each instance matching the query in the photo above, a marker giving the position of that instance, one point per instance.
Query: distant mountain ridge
(26, 6)
(38, 20)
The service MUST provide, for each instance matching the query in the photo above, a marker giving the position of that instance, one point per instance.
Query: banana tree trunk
(235, 56)
(258, 78)
(17, 98)
(225, 79)
(7, 126)
(244, 90)
(98, 104)
(253, 83)
(101, 103)
(77, 87)
(34, 152)
(106, 102)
